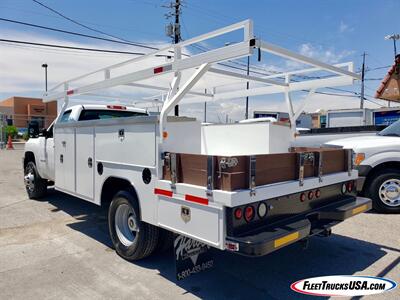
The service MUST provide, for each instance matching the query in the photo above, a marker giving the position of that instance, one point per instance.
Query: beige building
(20, 110)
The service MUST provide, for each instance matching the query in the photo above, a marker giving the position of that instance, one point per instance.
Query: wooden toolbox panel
(232, 173)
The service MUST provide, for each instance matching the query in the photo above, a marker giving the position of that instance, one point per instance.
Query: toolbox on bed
(232, 173)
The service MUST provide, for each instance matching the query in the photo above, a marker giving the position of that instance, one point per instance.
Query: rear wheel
(36, 186)
(384, 191)
(132, 238)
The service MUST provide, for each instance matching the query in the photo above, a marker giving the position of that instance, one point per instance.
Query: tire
(132, 238)
(387, 181)
(36, 186)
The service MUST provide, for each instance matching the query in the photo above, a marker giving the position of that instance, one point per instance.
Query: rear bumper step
(285, 233)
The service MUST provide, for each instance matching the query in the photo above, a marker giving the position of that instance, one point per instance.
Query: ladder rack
(208, 63)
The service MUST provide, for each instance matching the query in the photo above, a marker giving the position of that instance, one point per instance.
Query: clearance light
(310, 195)
(238, 213)
(116, 107)
(262, 210)
(318, 193)
(249, 213)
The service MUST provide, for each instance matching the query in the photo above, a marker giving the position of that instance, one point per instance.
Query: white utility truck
(237, 187)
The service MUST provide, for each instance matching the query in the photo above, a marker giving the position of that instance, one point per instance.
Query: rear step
(279, 235)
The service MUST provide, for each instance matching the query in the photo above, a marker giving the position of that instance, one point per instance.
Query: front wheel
(384, 191)
(36, 186)
(132, 238)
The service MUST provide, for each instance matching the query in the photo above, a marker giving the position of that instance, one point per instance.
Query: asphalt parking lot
(59, 248)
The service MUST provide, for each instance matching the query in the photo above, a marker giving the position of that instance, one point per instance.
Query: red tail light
(249, 213)
(318, 193)
(350, 186)
(302, 197)
(238, 213)
(310, 195)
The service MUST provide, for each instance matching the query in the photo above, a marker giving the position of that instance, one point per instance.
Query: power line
(75, 33)
(87, 27)
(70, 47)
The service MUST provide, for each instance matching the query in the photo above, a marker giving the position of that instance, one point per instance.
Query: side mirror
(43, 132)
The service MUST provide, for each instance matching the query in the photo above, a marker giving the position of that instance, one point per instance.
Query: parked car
(377, 158)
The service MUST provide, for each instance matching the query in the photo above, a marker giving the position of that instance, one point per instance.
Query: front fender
(380, 158)
(33, 145)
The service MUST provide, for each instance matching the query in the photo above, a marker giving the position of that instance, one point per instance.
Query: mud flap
(191, 257)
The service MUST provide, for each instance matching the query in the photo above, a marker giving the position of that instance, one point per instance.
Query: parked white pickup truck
(235, 187)
(377, 159)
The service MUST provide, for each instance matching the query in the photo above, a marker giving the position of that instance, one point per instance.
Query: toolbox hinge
(172, 167)
(210, 175)
(252, 175)
(320, 157)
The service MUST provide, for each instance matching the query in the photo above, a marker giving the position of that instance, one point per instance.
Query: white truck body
(89, 158)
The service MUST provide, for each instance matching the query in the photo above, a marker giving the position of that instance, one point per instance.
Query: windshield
(392, 130)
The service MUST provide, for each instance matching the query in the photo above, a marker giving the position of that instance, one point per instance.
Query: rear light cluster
(310, 195)
(348, 187)
(248, 212)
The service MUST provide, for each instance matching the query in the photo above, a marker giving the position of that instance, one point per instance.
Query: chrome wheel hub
(29, 180)
(126, 224)
(389, 192)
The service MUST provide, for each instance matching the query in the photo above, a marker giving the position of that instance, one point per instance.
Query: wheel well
(111, 186)
(29, 156)
(378, 169)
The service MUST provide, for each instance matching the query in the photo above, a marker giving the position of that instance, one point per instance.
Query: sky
(332, 31)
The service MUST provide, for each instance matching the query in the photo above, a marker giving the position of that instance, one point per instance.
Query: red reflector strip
(158, 70)
(70, 92)
(163, 192)
(196, 199)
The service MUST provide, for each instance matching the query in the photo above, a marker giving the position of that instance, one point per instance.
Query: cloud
(328, 55)
(343, 27)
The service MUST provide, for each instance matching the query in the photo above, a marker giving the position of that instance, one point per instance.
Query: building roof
(390, 86)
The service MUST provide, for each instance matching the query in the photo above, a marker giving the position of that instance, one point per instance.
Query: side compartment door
(65, 158)
(85, 161)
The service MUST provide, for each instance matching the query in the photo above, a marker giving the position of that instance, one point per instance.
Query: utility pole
(174, 30)
(362, 82)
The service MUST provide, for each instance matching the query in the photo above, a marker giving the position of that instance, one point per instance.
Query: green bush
(26, 136)
(11, 130)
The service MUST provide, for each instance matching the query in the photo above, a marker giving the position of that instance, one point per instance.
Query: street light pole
(393, 37)
(45, 75)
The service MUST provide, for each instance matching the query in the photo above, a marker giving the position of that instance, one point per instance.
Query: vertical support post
(65, 104)
(247, 87)
(177, 56)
